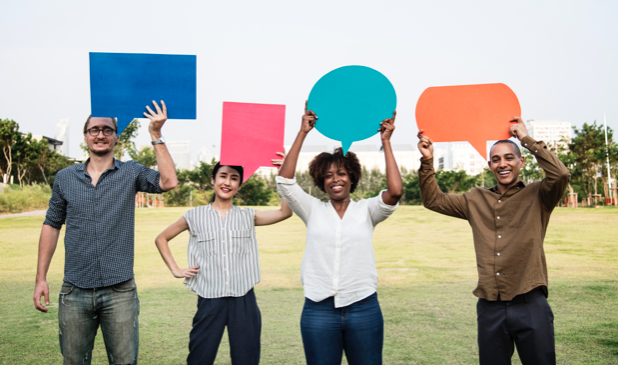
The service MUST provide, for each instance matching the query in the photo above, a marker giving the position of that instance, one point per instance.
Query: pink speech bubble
(473, 113)
(251, 135)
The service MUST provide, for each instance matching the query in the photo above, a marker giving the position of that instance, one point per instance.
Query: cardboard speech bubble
(122, 84)
(473, 113)
(351, 102)
(251, 135)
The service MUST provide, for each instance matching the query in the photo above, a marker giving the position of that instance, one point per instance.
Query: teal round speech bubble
(351, 102)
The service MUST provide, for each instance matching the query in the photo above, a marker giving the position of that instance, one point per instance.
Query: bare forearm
(167, 180)
(166, 254)
(394, 180)
(290, 162)
(47, 246)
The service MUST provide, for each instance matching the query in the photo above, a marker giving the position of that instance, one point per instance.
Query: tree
(22, 154)
(125, 140)
(589, 154)
(145, 156)
(9, 133)
(253, 192)
(531, 171)
(456, 181)
(200, 177)
(41, 156)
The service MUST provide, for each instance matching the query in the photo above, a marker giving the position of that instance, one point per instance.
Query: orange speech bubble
(473, 113)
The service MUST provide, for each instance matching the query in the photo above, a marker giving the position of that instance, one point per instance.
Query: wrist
(155, 135)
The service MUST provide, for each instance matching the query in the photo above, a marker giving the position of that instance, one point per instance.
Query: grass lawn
(427, 271)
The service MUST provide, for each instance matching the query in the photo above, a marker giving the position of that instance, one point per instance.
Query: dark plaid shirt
(99, 239)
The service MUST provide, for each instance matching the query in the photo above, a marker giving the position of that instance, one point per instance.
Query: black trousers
(241, 315)
(526, 320)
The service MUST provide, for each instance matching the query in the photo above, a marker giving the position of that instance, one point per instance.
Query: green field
(427, 271)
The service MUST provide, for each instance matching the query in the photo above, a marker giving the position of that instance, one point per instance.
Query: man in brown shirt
(509, 223)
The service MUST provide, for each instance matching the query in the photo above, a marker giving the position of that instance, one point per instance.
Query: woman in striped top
(224, 267)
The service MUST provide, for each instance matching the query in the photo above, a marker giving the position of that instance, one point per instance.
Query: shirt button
(498, 217)
(535, 150)
(497, 274)
(498, 254)
(499, 200)
(526, 144)
(499, 236)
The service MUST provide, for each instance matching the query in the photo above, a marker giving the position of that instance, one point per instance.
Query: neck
(503, 188)
(339, 204)
(100, 163)
(222, 205)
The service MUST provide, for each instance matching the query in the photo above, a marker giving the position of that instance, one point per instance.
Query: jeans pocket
(65, 290)
(125, 286)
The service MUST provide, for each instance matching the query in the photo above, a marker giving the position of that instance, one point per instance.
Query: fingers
(165, 109)
(150, 111)
(311, 112)
(157, 107)
(281, 154)
(37, 301)
(306, 106)
(393, 117)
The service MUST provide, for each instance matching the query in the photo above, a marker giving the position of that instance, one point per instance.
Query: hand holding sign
(251, 135)
(121, 84)
(350, 103)
(473, 113)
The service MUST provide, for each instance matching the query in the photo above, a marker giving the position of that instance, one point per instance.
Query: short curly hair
(321, 163)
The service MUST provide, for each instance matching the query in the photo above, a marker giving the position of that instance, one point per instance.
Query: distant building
(550, 131)
(62, 134)
(52, 143)
(206, 156)
(462, 156)
(180, 151)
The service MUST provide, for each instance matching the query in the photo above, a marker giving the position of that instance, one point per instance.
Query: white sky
(559, 57)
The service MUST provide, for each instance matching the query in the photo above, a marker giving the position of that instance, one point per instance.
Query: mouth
(337, 188)
(226, 190)
(504, 173)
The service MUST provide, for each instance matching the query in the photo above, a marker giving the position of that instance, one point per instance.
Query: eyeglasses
(106, 131)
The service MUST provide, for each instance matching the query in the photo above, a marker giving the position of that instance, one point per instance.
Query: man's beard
(101, 153)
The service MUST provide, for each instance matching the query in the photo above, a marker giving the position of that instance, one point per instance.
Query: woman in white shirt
(338, 272)
(224, 267)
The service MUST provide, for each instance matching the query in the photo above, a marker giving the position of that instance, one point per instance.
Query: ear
(212, 181)
(521, 161)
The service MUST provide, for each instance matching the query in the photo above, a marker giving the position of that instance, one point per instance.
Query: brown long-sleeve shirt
(508, 229)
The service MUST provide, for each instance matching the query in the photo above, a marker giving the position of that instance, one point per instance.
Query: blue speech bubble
(351, 102)
(122, 84)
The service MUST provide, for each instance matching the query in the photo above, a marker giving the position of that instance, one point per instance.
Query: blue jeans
(357, 329)
(81, 311)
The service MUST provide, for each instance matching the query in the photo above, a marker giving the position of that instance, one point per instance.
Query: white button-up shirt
(339, 257)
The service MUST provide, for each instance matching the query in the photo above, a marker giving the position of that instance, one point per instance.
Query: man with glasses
(96, 200)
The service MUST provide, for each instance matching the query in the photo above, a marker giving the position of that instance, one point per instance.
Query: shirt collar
(82, 167)
(519, 185)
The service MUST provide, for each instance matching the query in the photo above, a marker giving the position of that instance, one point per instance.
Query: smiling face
(101, 144)
(505, 164)
(226, 183)
(337, 182)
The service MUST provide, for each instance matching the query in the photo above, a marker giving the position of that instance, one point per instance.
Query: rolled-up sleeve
(300, 202)
(57, 211)
(379, 210)
(147, 179)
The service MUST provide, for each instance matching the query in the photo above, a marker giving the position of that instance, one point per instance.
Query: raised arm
(290, 162)
(164, 249)
(432, 197)
(394, 180)
(277, 215)
(557, 175)
(167, 179)
(47, 247)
